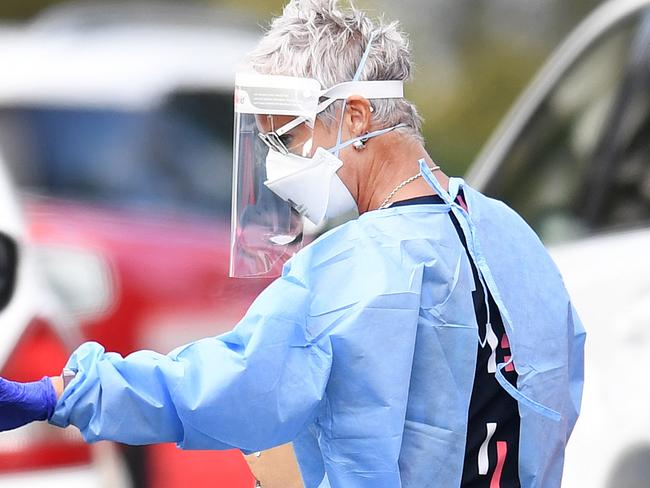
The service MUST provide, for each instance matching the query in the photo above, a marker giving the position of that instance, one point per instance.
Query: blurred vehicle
(116, 121)
(34, 342)
(573, 157)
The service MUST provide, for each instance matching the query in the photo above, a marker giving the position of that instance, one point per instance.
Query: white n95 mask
(310, 185)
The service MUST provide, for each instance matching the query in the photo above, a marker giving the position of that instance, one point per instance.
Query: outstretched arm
(252, 388)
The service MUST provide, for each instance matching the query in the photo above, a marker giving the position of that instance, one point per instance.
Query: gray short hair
(317, 39)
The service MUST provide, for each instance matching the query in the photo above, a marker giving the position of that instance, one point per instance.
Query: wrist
(57, 383)
(61, 382)
(49, 397)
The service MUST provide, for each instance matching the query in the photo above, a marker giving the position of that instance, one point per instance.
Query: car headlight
(80, 278)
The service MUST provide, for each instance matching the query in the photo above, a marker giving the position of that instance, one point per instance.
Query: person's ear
(358, 115)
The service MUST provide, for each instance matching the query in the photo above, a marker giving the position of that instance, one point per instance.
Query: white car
(33, 344)
(573, 157)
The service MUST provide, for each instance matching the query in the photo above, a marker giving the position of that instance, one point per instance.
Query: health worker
(427, 342)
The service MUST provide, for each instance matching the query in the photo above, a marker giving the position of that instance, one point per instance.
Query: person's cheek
(324, 136)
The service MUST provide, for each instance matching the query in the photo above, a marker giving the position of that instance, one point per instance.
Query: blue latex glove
(22, 403)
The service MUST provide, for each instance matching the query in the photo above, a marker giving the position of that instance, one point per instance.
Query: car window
(582, 163)
(8, 257)
(176, 157)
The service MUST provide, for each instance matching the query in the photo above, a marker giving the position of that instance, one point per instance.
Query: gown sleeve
(252, 388)
(577, 335)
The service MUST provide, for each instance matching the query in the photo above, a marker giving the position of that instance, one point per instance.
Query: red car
(35, 339)
(118, 129)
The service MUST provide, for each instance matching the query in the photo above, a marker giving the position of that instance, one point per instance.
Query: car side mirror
(8, 265)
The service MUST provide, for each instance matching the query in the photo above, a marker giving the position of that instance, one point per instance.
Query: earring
(358, 145)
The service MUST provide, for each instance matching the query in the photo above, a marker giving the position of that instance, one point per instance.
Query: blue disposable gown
(363, 354)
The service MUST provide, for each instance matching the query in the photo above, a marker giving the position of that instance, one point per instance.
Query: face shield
(279, 174)
(266, 230)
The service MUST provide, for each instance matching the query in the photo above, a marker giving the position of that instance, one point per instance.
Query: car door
(573, 158)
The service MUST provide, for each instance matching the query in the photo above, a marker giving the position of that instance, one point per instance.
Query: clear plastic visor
(266, 230)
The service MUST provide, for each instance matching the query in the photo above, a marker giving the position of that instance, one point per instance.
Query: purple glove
(22, 403)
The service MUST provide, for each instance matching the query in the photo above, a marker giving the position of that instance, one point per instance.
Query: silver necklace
(387, 202)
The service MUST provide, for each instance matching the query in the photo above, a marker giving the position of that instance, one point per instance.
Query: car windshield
(580, 165)
(176, 157)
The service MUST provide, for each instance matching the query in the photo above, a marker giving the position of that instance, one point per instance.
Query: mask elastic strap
(365, 137)
(357, 75)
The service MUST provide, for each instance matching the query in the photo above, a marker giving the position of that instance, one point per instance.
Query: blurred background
(115, 181)
(472, 57)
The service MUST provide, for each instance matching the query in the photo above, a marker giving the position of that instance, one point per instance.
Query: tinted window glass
(582, 163)
(176, 157)
(7, 270)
